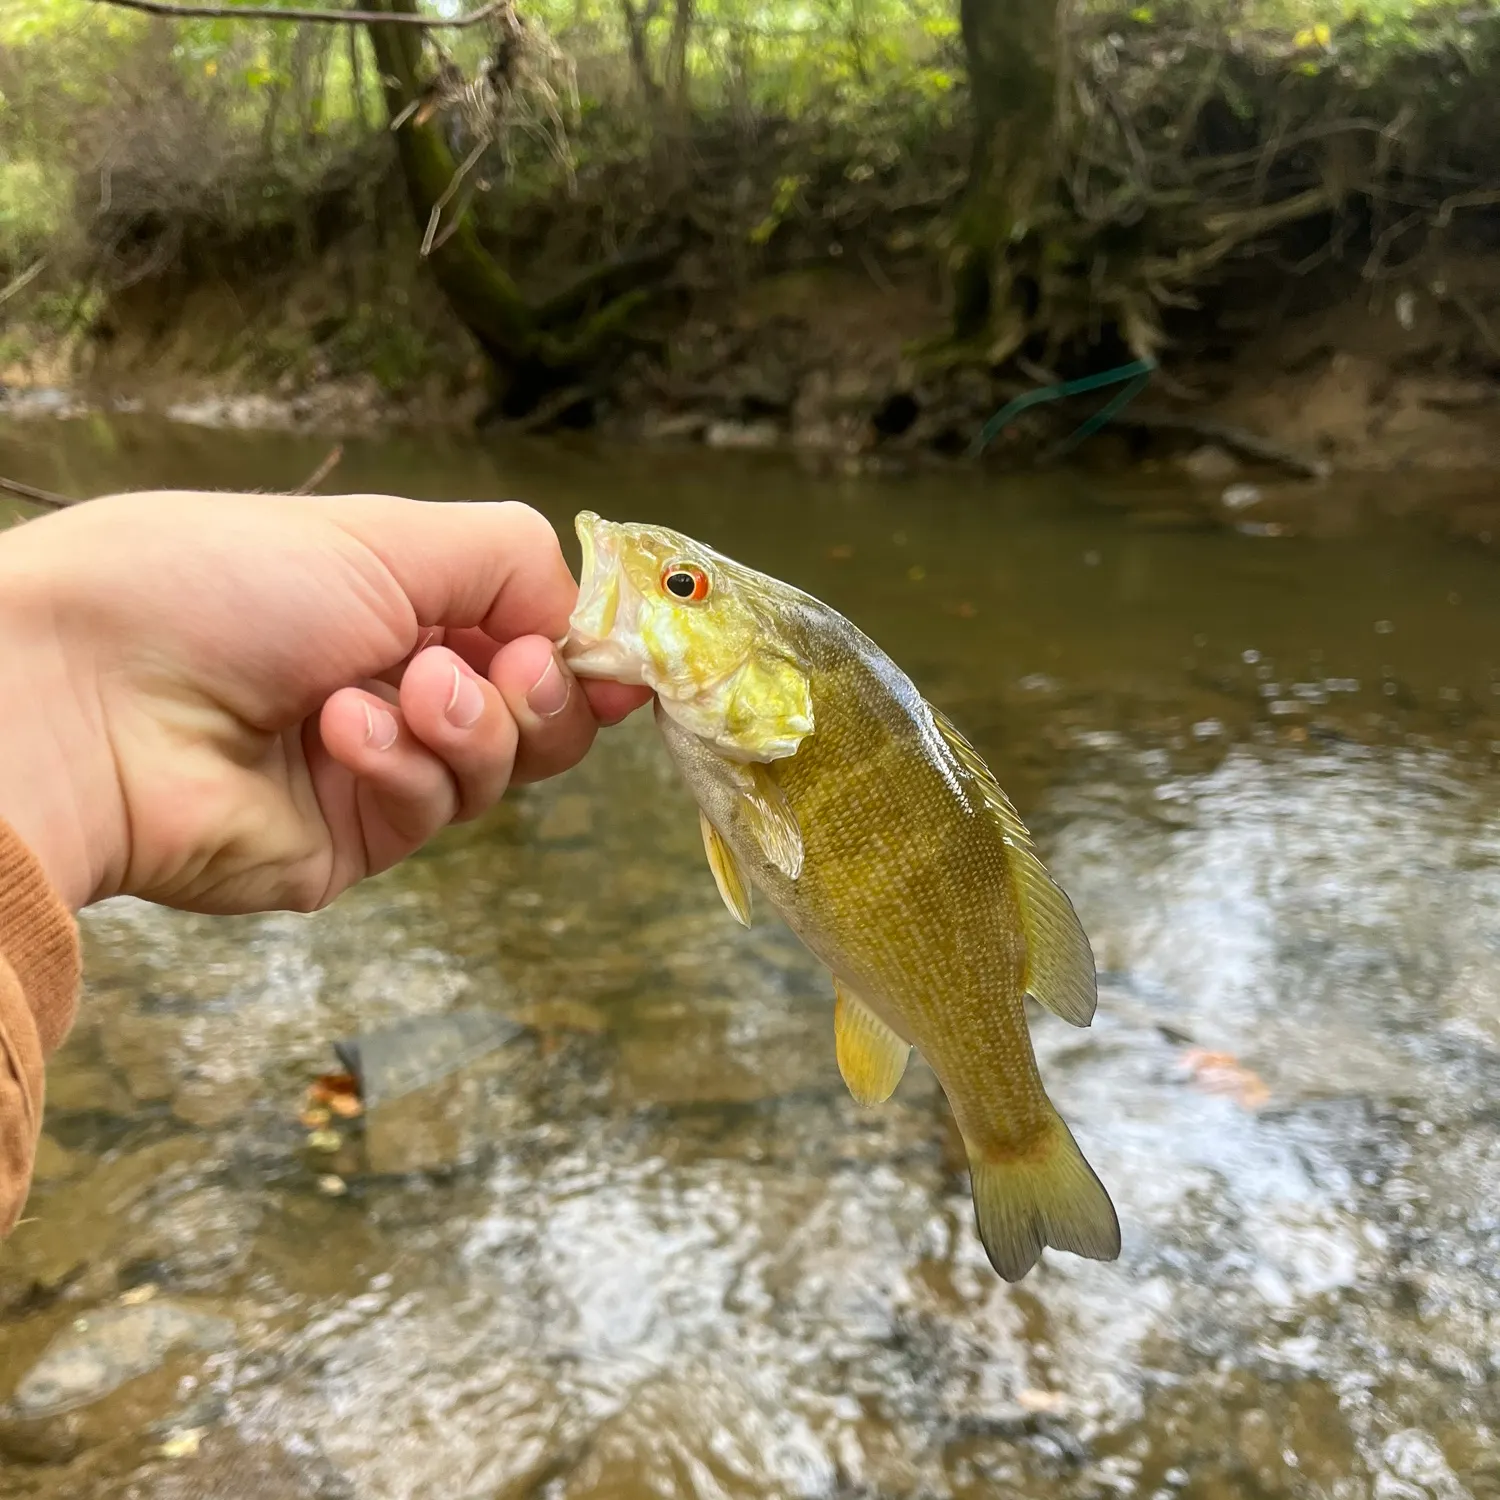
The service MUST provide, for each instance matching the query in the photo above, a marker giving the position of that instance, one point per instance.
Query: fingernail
(465, 702)
(380, 728)
(549, 693)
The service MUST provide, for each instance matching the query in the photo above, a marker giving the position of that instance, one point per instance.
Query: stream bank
(820, 360)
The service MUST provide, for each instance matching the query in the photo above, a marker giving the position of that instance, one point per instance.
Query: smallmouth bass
(826, 781)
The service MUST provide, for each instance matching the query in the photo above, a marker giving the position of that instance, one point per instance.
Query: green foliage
(33, 207)
(380, 340)
(107, 112)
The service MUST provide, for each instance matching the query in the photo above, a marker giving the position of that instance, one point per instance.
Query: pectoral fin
(1059, 962)
(871, 1056)
(728, 874)
(771, 819)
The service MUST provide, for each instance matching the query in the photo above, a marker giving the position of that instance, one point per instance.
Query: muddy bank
(828, 360)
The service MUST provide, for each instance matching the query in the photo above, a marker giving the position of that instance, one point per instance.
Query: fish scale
(887, 848)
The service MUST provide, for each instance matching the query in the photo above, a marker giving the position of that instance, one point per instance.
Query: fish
(827, 784)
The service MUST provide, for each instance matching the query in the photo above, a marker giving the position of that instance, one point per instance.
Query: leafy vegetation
(1159, 145)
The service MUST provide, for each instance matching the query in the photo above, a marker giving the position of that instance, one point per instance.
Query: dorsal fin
(1059, 961)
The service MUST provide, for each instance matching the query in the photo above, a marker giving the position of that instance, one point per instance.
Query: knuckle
(526, 525)
(311, 892)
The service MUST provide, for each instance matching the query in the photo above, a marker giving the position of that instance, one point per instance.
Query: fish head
(702, 631)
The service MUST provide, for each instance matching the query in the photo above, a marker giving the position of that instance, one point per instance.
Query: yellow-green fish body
(825, 780)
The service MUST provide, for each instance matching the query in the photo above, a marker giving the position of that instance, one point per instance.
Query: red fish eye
(686, 582)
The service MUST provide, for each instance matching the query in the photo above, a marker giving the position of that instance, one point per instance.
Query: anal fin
(728, 873)
(871, 1056)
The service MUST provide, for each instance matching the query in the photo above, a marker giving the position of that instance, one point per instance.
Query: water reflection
(650, 1248)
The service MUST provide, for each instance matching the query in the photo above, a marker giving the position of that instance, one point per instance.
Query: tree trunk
(478, 289)
(637, 25)
(1011, 47)
(535, 349)
(677, 63)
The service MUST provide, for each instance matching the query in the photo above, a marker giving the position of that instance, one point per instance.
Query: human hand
(233, 703)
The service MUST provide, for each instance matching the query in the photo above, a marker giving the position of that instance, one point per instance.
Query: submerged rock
(665, 427)
(742, 435)
(102, 1350)
(78, 1228)
(1209, 463)
(413, 1055)
(110, 1373)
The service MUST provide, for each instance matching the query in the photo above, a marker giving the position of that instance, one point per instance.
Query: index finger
(609, 701)
(495, 565)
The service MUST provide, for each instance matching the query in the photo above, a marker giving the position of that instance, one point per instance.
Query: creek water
(648, 1247)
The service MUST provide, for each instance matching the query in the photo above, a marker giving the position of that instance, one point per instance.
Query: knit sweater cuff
(39, 973)
(39, 939)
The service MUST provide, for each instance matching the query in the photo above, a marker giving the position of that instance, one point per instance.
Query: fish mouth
(599, 640)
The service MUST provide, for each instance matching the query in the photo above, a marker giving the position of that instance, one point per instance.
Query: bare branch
(1463, 200)
(317, 17)
(36, 496)
(324, 469)
(54, 501)
(27, 276)
(1467, 306)
(1237, 439)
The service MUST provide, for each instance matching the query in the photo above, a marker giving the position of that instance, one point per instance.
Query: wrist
(49, 749)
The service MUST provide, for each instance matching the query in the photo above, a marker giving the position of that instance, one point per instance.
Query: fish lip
(598, 570)
(591, 648)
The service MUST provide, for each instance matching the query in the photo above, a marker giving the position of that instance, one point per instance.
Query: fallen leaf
(332, 1186)
(1041, 1401)
(138, 1294)
(346, 1106)
(1223, 1073)
(324, 1140)
(315, 1118)
(332, 1086)
(182, 1444)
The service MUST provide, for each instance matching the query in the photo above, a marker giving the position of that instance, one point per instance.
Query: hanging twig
(429, 240)
(324, 469)
(316, 17)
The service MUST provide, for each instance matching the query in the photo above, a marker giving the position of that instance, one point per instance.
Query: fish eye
(685, 581)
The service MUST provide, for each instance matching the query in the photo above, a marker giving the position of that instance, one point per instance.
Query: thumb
(496, 565)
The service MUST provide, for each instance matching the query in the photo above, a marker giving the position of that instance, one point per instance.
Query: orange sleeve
(39, 971)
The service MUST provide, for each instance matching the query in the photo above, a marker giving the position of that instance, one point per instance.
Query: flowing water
(647, 1246)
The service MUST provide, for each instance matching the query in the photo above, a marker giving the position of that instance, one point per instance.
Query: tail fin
(1048, 1196)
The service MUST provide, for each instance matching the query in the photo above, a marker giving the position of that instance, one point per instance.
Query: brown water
(649, 1247)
